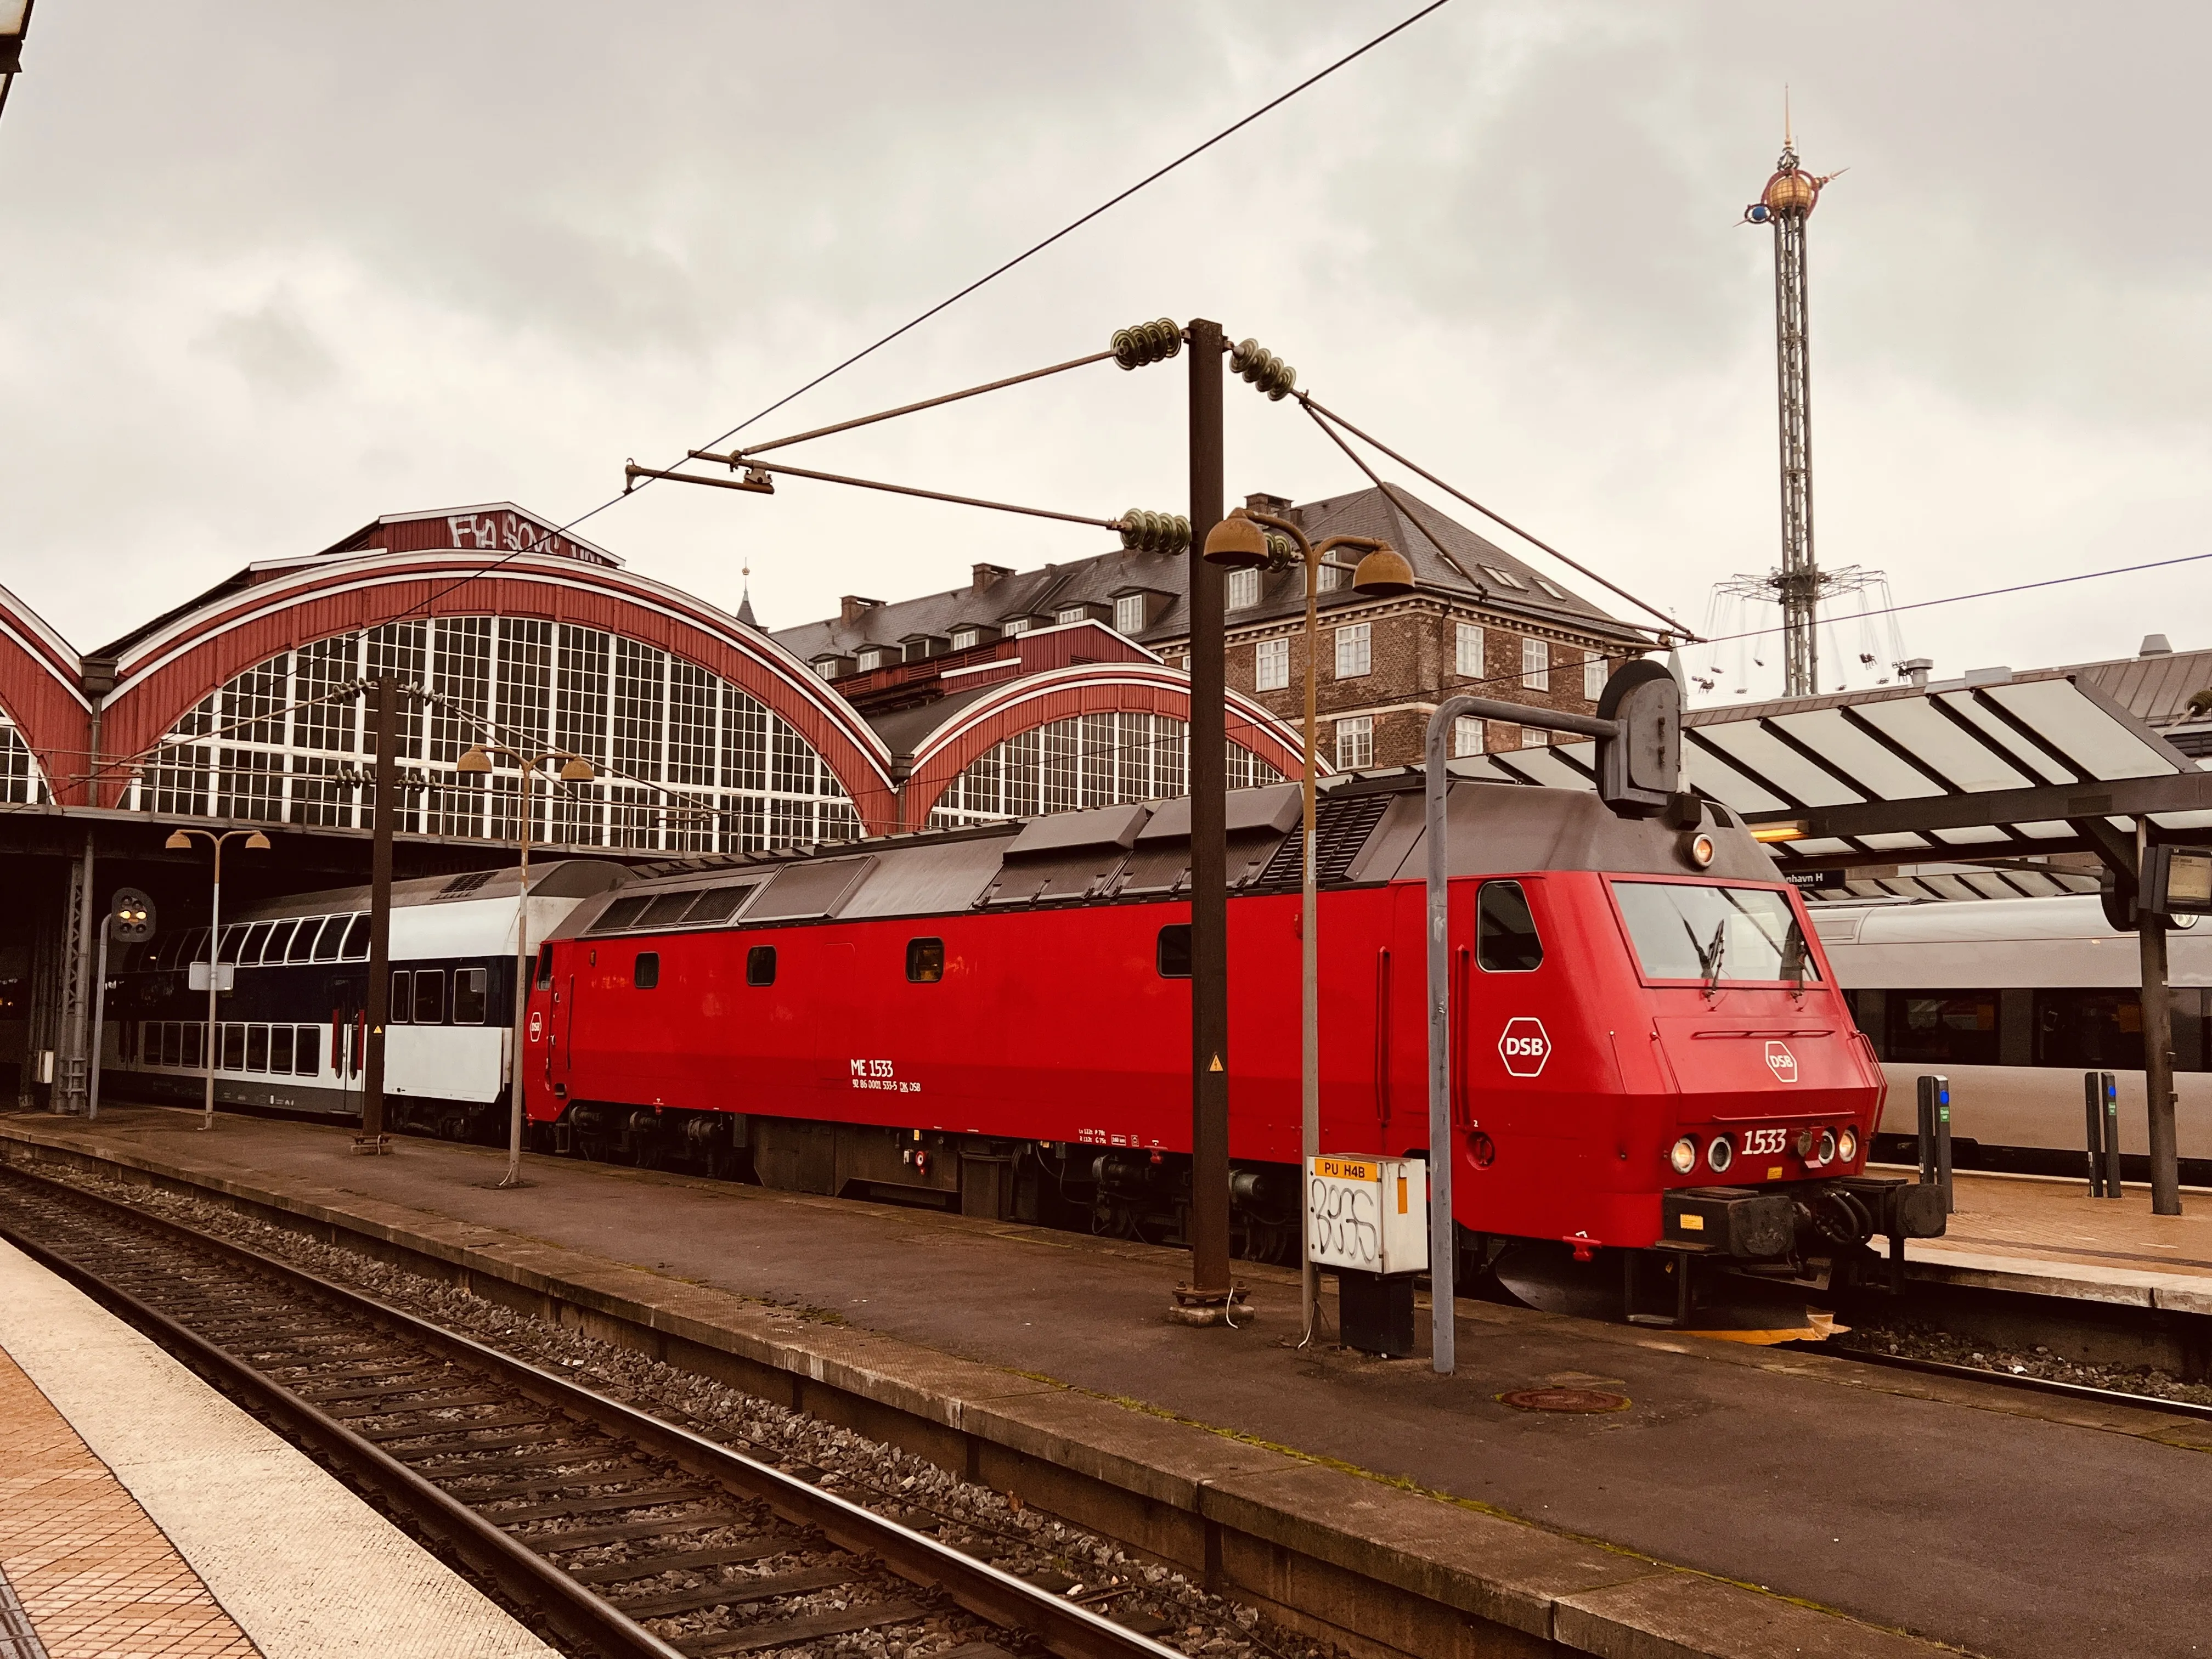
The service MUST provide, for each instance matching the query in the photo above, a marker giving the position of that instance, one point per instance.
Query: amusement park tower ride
(1786, 203)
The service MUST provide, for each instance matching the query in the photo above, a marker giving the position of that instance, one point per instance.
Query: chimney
(851, 607)
(1276, 505)
(987, 575)
(2155, 645)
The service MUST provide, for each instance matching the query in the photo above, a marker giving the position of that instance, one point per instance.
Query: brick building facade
(1479, 621)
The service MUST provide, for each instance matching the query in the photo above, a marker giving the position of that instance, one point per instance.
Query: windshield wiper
(1712, 958)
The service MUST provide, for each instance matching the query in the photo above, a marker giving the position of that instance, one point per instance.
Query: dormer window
(872, 658)
(1016, 625)
(1073, 613)
(1244, 589)
(964, 637)
(1130, 614)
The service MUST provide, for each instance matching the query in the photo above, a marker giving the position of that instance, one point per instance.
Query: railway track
(2026, 1383)
(624, 1535)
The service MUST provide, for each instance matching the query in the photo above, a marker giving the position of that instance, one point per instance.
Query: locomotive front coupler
(1833, 1219)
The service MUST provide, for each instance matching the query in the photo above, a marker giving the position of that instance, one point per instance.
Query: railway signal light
(1263, 369)
(1145, 532)
(1146, 343)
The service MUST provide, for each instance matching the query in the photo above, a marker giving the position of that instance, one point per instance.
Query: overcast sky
(269, 270)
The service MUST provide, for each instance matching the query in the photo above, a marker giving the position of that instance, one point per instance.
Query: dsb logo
(1782, 1062)
(1524, 1047)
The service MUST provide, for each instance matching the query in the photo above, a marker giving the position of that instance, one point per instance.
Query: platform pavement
(2046, 1236)
(1992, 1520)
(143, 1515)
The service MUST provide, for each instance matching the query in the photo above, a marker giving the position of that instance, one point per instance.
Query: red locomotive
(1648, 1047)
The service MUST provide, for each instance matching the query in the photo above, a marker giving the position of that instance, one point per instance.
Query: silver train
(2014, 1000)
(291, 1033)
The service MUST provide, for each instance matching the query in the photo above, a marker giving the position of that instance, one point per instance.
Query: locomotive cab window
(760, 965)
(1171, 955)
(469, 996)
(1688, 930)
(647, 974)
(1505, 938)
(545, 966)
(924, 961)
(403, 999)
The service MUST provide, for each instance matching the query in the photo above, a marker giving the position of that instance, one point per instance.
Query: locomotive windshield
(1683, 930)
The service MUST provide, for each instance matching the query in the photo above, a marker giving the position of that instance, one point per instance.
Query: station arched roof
(41, 691)
(1036, 700)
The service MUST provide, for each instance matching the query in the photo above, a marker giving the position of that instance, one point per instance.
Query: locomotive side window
(403, 993)
(1683, 930)
(1505, 939)
(924, 961)
(469, 996)
(647, 974)
(760, 965)
(430, 996)
(1172, 953)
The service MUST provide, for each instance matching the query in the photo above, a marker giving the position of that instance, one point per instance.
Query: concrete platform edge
(1380, 1566)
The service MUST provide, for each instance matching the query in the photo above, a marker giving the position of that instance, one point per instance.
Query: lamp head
(577, 771)
(178, 842)
(474, 760)
(1383, 574)
(1237, 543)
(258, 842)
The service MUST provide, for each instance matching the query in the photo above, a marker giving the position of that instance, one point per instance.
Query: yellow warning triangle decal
(1217, 1064)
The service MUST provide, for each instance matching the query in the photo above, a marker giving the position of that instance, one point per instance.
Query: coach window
(430, 996)
(760, 965)
(280, 941)
(303, 942)
(1946, 1028)
(227, 951)
(231, 1053)
(469, 996)
(330, 944)
(1505, 940)
(280, 1048)
(924, 961)
(257, 1048)
(256, 937)
(356, 937)
(647, 974)
(403, 994)
(1171, 954)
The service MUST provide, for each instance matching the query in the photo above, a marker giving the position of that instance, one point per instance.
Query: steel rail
(1063, 1627)
(2051, 1385)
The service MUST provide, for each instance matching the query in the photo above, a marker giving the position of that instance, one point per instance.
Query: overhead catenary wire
(891, 488)
(992, 275)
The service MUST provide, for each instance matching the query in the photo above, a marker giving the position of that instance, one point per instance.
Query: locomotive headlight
(1697, 849)
(1720, 1154)
(1684, 1157)
(1828, 1146)
(1847, 1144)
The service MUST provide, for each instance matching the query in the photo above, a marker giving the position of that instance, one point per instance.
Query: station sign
(1367, 1214)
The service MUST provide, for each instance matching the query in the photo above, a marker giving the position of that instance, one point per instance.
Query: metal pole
(513, 1176)
(80, 1063)
(1211, 1285)
(1309, 967)
(214, 974)
(2092, 1111)
(371, 1137)
(99, 1020)
(2157, 1067)
(1443, 1330)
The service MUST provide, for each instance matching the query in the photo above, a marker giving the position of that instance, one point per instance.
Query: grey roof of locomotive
(1370, 831)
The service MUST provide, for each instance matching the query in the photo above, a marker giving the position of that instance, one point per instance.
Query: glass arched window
(1089, 760)
(687, 761)
(20, 781)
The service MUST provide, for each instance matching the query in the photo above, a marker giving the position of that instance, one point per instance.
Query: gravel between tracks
(893, 1483)
(1914, 1339)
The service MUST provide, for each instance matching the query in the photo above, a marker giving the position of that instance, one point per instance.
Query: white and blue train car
(2014, 1000)
(291, 1033)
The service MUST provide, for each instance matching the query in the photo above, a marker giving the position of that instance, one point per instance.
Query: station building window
(1091, 760)
(1129, 615)
(760, 965)
(1271, 664)
(1594, 675)
(924, 961)
(645, 975)
(1244, 590)
(1467, 736)
(291, 740)
(1535, 666)
(1467, 650)
(1355, 651)
(1505, 937)
(1355, 742)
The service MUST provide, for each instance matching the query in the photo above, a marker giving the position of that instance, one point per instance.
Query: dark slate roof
(1467, 565)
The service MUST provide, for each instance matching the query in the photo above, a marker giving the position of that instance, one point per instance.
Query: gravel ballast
(904, 1488)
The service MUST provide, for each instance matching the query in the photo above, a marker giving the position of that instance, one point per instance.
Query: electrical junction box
(1367, 1214)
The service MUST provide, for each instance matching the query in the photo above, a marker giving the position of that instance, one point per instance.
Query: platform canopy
(1989, 767)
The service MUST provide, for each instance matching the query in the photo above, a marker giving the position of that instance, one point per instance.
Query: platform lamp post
(573, 769)
(181, 841)
(1239, 542)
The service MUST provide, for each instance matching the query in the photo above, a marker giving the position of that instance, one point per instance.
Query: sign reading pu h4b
(1781, 1062)
(1523, 1046)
